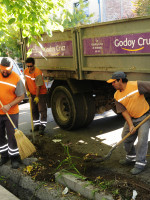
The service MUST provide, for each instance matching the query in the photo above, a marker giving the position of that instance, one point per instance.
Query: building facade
(107, 10)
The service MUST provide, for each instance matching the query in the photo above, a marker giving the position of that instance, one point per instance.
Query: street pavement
(6, 195)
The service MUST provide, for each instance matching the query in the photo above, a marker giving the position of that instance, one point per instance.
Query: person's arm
(37, 91)
(119, 107)
(143, 87)
(127, 117)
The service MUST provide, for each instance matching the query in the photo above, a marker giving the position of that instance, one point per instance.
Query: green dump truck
(80, 60)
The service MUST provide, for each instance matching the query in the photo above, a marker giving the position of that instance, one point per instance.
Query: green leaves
(31, 16)
(78, 17)
(6, 2)
(12, 20)
(36, 17)
(142, 7)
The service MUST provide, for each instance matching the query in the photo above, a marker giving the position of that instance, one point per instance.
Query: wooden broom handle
(142, 122)
(9, 117)
(32, 126)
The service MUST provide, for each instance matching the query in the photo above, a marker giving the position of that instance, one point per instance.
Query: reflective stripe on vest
(30, 77)
(128, 95)
(8, 84)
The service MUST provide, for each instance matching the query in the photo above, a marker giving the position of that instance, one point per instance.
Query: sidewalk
(6, 195)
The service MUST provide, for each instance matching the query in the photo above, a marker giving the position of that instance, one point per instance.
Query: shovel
(97, 160)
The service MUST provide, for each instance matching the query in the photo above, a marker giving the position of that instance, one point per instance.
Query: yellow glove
(36, 100)
(28, 94)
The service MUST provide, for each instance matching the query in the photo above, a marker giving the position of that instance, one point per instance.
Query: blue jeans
(139, 152)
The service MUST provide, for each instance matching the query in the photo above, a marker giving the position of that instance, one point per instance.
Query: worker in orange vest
(12, 93)
(36, 89)
(131, 103)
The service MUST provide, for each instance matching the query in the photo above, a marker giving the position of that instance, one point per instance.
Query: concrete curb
(35, 189)
(80, 186)
(25, 188)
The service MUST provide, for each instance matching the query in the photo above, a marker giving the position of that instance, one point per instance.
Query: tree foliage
(78, 17)
(9, 46)
(142, 7)
(34, 18)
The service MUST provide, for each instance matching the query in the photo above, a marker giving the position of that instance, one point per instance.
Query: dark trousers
(39, 110)
(8, 144)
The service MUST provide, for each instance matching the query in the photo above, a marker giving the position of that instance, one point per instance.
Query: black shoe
(36, 128)
(4, 160)
(41, 130)
(15, 161)
(136, 170)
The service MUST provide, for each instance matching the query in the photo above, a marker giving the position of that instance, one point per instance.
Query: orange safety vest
(133, 101)
(30, 79)
(7, 91)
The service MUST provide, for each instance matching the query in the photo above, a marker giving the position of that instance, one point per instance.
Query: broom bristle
(26, 148)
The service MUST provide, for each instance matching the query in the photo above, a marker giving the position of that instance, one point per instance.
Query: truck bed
(93, 52)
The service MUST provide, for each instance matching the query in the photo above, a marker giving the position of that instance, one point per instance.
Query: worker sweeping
(12, 93)
(36, 89)
(130, 101)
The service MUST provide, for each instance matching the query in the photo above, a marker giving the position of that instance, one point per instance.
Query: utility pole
(99, 6)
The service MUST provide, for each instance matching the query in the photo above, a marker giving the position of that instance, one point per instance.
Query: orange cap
(117, 75)
(111, 80)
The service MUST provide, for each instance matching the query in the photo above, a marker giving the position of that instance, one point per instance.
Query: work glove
(28, 94)
(36, 100)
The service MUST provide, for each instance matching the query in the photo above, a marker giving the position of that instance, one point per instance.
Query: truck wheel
(67, 108)
(90, 109)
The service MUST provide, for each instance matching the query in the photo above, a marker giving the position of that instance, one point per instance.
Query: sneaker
(136, 170)
(4, 160)
(126, 162)
(15, 164)
(41, 130)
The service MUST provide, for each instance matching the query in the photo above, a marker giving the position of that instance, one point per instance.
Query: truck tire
(90, 109)
(67, 108)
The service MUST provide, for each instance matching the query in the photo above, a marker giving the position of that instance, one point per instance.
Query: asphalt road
(103, 123)
(99, 137)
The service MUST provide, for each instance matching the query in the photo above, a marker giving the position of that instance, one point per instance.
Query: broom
(26, 148)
